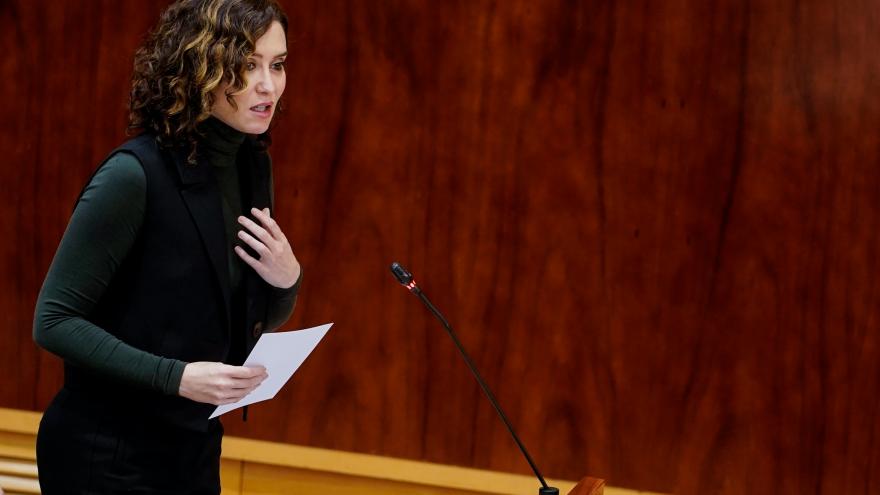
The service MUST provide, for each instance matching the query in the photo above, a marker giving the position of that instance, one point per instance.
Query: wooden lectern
(588, 486)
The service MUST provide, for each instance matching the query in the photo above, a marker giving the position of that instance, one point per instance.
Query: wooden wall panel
(652, 222)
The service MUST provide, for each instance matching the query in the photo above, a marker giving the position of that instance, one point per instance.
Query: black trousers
(86, 447)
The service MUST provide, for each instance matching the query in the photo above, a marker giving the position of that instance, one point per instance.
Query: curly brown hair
(196, 46)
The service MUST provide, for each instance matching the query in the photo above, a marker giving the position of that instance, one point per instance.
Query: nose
(265, 85)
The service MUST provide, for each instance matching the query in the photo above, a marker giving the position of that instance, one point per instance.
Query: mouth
(262, 108)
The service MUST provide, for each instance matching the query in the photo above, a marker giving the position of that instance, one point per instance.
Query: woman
(172, 265)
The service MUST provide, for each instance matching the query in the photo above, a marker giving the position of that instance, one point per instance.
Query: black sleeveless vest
(171, 295)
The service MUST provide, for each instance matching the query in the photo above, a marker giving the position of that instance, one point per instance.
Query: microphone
(406, 279)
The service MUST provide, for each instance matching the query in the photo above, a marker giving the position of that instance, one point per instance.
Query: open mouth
(261, 108)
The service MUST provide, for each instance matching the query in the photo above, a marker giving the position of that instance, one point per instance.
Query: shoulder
(114, 199)
(120, 182)
(123, 170)
(145, 148)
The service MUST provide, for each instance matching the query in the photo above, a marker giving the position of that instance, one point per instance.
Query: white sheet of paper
(281, 353)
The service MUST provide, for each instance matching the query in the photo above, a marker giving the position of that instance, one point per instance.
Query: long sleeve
(281, 301)
(100, 234)
(281, 304)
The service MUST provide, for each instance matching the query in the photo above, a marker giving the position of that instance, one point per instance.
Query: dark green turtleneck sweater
(219, 147)
(100, 234)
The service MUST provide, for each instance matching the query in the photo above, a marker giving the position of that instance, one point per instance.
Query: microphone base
(548, 491)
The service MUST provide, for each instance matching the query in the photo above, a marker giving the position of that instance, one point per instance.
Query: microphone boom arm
(406, 279)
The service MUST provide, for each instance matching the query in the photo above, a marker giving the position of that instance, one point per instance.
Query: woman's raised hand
(218, 383)
(276, 264)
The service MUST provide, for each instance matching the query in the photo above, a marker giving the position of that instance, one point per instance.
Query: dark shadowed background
(654, 224)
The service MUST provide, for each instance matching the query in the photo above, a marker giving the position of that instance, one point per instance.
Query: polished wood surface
(250, 467)
(653, 224)
(588, 486)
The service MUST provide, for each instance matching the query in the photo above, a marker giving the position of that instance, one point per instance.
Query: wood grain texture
(279, 468)
(588, 486)
(653, 224)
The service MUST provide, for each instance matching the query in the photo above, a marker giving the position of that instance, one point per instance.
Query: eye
(279, 65)
(250, 65)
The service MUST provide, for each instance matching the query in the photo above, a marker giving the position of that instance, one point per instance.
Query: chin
(251, 128)
(242, 123)
(256, 129)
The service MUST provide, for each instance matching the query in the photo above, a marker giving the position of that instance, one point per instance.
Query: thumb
(248, 371)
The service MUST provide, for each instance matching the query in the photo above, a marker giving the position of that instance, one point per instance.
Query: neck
(218, 139)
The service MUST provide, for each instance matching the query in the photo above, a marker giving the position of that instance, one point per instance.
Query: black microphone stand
(406, 279)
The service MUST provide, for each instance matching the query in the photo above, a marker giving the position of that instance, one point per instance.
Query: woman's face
(265, 83)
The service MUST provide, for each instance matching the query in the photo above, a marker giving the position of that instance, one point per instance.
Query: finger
(265, 217)
(257, 230)
(256, 245)
(233, 394)
(224, 370)
(237, 396)
(250, 260)
(230, 400)
(246, 385)
(246, 371)
(244, 392)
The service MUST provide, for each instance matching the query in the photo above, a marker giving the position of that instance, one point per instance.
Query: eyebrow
(257, 55)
